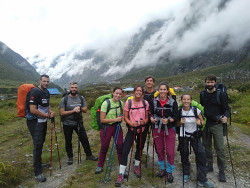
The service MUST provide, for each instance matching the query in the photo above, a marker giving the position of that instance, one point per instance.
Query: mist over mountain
(192, 35)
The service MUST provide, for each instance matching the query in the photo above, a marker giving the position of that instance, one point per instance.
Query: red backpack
(22, 92)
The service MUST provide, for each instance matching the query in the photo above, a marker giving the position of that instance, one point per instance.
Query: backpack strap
(120, 104)
(144, 104)
(202, 97)
(66, 97)
(195, 111)
(218, 96)
(66, 100)
(129, 104)
(108, 105)
(81, 98)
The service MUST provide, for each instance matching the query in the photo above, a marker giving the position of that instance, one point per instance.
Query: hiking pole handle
(53, 120)
(224, 125)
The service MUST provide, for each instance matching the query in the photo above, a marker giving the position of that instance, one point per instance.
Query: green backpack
(96, 109)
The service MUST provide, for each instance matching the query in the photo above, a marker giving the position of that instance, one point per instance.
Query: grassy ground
(16, 152)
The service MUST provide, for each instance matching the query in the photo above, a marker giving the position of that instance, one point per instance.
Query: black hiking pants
(128, 142)
(200, 156)
(38, 133)
(68, 131)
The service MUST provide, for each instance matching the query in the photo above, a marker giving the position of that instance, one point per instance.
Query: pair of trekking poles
(131, 154)
(51, 148)
(165, 153)
(111, 155)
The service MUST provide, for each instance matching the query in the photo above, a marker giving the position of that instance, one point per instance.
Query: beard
(73, 94)
(210, 87)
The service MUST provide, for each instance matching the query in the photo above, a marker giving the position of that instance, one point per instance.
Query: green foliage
(240, 108)
(9, 174)
(233, 95)
(8, 110)
(243, 87)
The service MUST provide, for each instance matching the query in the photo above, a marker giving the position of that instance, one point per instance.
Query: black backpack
(66, 96)
(221, 92)
(194, 108)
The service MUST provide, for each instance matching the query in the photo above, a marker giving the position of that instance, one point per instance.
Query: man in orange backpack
(38, 104)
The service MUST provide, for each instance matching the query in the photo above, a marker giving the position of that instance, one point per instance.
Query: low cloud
(190, 27)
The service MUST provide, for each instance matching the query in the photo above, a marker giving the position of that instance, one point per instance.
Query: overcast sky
(48, 27)
(51, 27)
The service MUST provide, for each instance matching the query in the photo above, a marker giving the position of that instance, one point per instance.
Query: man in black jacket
(216, 113)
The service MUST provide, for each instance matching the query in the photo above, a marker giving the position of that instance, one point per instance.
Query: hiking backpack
(195, 105)
(65, 96)
(130, 104)
(96, 110)
(221, 91)
(22, 101)
(171, 90)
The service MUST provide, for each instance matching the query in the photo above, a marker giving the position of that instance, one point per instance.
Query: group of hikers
(147, 112)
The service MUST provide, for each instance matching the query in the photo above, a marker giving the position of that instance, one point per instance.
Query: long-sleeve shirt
(212, 109)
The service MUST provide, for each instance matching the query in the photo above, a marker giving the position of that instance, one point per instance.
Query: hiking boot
(161, 174)
(205, 184)
(186, 178)
(137, 171)
(222, 177)
(98, 170)
(40, 178)
(70, 161)
(170, 177)
(91, 157)
(209, 168)
(119, 180)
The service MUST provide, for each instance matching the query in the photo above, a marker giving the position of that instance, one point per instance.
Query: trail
(60, 176)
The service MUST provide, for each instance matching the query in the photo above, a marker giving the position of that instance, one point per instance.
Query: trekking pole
(183, 145)
(149, 132)
(115, 139)
(153, 151)
(197, 157)
(135, 130)
(50, 168)
(229, 151)
(59, 160)
(140, 147)
(79, 148)
(112, 151)
(165, 162)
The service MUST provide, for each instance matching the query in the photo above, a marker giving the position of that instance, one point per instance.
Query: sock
(137, 163)
(122, 169)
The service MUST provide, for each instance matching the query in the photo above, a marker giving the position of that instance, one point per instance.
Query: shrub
(233, 95)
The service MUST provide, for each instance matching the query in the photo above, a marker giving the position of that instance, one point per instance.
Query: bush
(233, 95)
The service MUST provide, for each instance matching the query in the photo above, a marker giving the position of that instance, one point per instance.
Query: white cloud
(49, 28)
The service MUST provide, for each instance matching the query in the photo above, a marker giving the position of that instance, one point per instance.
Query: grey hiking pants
(215, 132)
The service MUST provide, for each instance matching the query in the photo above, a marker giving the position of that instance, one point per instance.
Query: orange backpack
(22, 92)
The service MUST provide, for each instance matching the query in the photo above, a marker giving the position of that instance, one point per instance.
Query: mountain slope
(14, 68)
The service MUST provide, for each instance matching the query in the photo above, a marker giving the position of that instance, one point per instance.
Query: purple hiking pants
(105, 141)
(170, 144)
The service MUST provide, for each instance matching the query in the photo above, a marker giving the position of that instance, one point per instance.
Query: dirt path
(60, 176)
